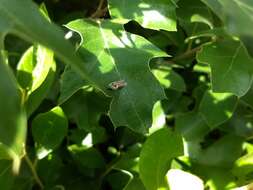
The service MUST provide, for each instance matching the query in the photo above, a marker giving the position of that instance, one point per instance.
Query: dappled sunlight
(158, 117)
(88, 141)
(43, 152)
(180, 180)
(144, 5)
(153, 15)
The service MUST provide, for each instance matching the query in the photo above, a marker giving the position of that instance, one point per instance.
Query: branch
(100, 10)
(34, 172)
(185, 55)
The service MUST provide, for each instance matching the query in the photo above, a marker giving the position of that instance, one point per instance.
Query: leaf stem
(34, 172)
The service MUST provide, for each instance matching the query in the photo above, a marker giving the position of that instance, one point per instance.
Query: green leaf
(49, 168)
(221, 153)
(6, 175)
(237, 16)
(119, 179)
(35, 74)
(194, 16)
(37, 96)
(49, 129)
(192, 126)
(169, 79)
(243, 166)
(241, 124)
(231, 66)
(34, 67)
(71, 82)
(85, 109)
(194, 11)
(135, 184)
(248, 97)
(89, 158)
(216, 178)
(157, 153)
(216, 108)
(12, 116)
(215, 6)
(14, 17)
(110, 54)
(24, 69)
(154, 14)
(24, 180)
(159, 118)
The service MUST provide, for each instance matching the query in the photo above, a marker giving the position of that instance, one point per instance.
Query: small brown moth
(116, 85)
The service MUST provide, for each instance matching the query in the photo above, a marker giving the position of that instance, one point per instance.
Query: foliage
(121, 94)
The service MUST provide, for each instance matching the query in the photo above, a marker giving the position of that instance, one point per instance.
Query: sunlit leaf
(216, 108)
(49, 129)
(121, 57)
(155, 14)
(157, 153)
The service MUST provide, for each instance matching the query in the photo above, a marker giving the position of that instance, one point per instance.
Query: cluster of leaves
(186, 69)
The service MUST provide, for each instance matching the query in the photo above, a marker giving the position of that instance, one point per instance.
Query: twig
(100, 10)
(185, 55)
(34, 172)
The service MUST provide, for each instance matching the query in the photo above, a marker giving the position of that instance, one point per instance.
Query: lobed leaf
(111, 54)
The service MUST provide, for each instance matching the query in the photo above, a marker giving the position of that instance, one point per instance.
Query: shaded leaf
(194, 16)
(231, 66)
(119, 179)
(170, 79)
(216, 108)
(192, 126)
(6, 175)
(216, 178)
(135, 184)
(12, 117)
(85, 109)
(88, 159)
(222, 153)
(71, 82)
(237, 16)
(241, 124)
(248, 97)
(49, 129)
